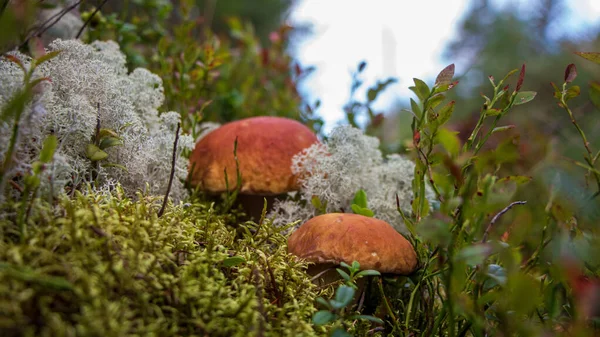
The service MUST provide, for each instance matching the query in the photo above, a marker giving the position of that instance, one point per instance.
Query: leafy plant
(12, 111)
(360, 205)
(337, 310)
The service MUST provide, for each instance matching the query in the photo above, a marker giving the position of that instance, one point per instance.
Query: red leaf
(570, 73)
(521, 78)
(264, 55)
(416, 138)
(297, 69)
(445, 76)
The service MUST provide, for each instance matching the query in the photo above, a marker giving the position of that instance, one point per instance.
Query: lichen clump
(335, 170)
(89, 87)
(106, 265)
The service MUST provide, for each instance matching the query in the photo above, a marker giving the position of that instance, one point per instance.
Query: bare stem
(164, 204)
(497, 216)
(90, 18)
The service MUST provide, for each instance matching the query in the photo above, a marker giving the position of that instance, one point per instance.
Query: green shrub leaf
(323, 317)
(94, 153)
(524, 97)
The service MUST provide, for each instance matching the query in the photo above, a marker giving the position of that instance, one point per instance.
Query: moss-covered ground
(107, 265)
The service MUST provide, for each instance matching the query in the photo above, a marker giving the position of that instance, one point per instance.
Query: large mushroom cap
(265, 149)
(342, 237)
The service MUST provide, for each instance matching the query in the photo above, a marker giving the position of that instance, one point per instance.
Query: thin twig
(497, 216)
(51, 21)
(90, 19)
(164, 205)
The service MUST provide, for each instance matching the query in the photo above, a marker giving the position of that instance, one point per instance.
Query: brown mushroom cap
(343, 237)
(265, 149)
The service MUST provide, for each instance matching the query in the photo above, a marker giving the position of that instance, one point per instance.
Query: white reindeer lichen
(335, 170)
(90, 82)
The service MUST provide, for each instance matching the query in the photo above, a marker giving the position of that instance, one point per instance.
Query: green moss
(106, 265)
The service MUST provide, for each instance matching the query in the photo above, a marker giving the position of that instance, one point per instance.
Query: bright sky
(401, 39)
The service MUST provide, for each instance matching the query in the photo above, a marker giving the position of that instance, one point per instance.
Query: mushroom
(265, 148)
(329, 239)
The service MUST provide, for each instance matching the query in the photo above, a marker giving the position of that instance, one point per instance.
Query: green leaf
(517, 179)
(415, 108)
(595, 94)
(323, 317)
(493, 112)
(368, 272)
(16, 61)
(445, 113)
(107, 142)
(122, 167)
(324, 303)
(48, 149)
(38, 81)
(572, 92)
(46, 57)
(420, 89)
(557, 91)
(435, 100)
(27, 275)
(503, 128)
(318, 205)
(594, 57)
(360, 198)
(449, 140)
(339, 332)
(510, 73)
(367, 318)
(523, 293)
(474, 255)
(362, 210)
(343, 297)
(343, 274)
(524, 97)
(94, 153)
(497, 276)
(15, 106)
(233, 261)
(107, 133)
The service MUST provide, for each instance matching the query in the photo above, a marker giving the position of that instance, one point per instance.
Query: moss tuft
(106, 265)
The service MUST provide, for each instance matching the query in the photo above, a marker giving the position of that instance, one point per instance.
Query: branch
(41, 29)
(497, 216)
(90, 18)
(164, 205)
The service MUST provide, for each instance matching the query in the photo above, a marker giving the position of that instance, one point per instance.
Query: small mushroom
(329, 239)
(265, 148)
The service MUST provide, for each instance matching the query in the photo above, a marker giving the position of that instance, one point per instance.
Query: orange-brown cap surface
(344, 237)
(265, 149)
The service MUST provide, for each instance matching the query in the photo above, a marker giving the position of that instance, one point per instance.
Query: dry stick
(90, 19)
(164, 205)
(497, 216)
